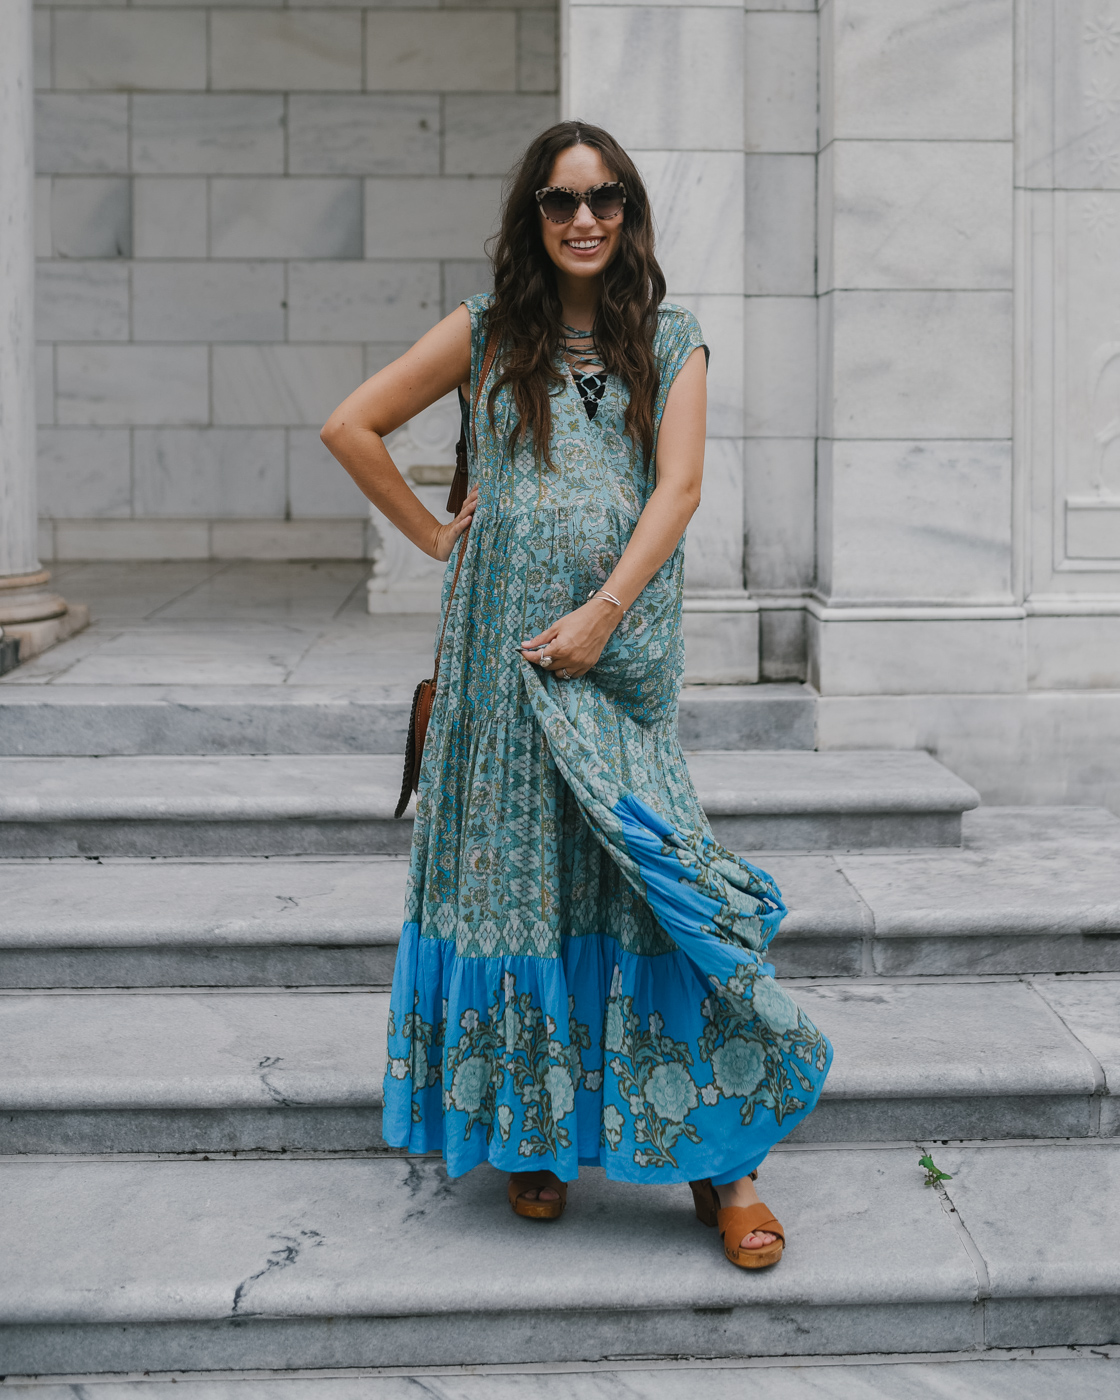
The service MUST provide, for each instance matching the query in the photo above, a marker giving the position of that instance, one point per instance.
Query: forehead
(579, 167)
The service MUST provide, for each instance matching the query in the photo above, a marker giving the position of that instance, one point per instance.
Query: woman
(580, 976)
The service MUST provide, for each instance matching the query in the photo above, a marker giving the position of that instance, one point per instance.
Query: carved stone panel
(1070, 130)
(1068, 289)
(1075, 358)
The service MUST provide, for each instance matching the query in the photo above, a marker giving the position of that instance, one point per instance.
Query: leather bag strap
(487, 364)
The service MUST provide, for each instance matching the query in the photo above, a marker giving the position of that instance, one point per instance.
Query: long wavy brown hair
(525, 314)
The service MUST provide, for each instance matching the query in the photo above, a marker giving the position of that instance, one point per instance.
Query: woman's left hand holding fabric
(575, 643)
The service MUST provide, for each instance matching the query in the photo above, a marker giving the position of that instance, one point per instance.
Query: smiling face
(584, 247)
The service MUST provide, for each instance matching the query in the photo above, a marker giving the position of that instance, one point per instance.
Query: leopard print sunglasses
(560, 205)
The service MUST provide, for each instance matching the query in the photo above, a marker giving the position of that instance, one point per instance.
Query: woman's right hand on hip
(446, 535)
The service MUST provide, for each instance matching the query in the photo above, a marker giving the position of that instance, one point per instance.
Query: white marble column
(667, 81)
(29, 610)
(917, 588)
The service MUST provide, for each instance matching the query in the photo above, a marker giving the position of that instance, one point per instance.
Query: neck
(579, 299)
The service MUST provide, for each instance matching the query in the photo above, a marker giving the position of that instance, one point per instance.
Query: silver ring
(564, 674)
(546, 661)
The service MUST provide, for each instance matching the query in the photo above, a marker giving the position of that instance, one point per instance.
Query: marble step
(332, 804)
(1033, 890)
(1014, 1373)
(129, 922)
(96, 720)
(141, 1265)
(301, 1071)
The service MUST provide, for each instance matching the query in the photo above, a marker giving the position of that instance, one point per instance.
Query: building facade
(897, 220)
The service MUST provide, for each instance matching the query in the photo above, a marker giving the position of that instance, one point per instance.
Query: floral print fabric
(581, 974)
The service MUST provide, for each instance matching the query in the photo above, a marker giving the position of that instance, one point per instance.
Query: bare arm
(356, 430)
(575, 642)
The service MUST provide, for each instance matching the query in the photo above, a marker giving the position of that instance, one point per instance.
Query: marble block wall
(241, 213)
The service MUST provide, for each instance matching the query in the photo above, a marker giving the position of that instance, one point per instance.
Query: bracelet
(602, 593)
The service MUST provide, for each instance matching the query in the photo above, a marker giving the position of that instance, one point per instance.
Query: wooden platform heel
(520, 1182)
(739, 1222)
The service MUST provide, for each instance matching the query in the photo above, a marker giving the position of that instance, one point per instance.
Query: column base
(720, 638)
(34, 618)
(37, 637)
(26, 598)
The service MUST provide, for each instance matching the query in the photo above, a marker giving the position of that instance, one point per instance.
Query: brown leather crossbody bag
(424, 696)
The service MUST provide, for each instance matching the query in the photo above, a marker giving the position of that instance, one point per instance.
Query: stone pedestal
(721, 637)
(29, 612)
(404, 579)
(35, 617)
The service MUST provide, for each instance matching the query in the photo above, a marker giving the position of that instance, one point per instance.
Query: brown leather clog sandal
(739, 1222)
(520, 1182)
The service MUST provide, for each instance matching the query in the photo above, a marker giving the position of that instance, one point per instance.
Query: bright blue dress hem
(658, 1068)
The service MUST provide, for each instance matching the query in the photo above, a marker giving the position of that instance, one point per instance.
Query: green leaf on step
(934, 1174)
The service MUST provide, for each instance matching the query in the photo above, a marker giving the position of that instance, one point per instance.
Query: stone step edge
(1042, 1372)
(401, 1344)
(821, 1303)
(308, 1093)
(795, 795)
(1094, 921)
(83, 720)
(273, 1083)
(158, 696)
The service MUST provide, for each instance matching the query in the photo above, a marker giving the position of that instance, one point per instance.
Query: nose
(584, 218)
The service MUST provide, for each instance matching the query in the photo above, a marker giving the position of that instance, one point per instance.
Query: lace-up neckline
(585, 366)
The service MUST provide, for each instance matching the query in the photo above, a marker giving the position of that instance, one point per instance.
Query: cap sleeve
(478, 308)
(678, 335)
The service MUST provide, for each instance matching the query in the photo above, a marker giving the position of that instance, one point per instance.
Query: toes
(548, 1194)
(758, 1241)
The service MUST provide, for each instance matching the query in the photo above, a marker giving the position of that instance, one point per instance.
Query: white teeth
(584, 242)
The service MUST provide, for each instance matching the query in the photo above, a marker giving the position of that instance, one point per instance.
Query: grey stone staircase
(299, 1070)
(119, 719)
(334, 804)
(200, 897)
(206, 1265)
(1037, 1373)
(1032, 890)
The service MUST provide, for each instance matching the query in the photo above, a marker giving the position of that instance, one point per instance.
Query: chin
(586, 269)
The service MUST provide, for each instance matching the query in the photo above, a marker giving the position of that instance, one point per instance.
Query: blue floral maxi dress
(581, 974)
